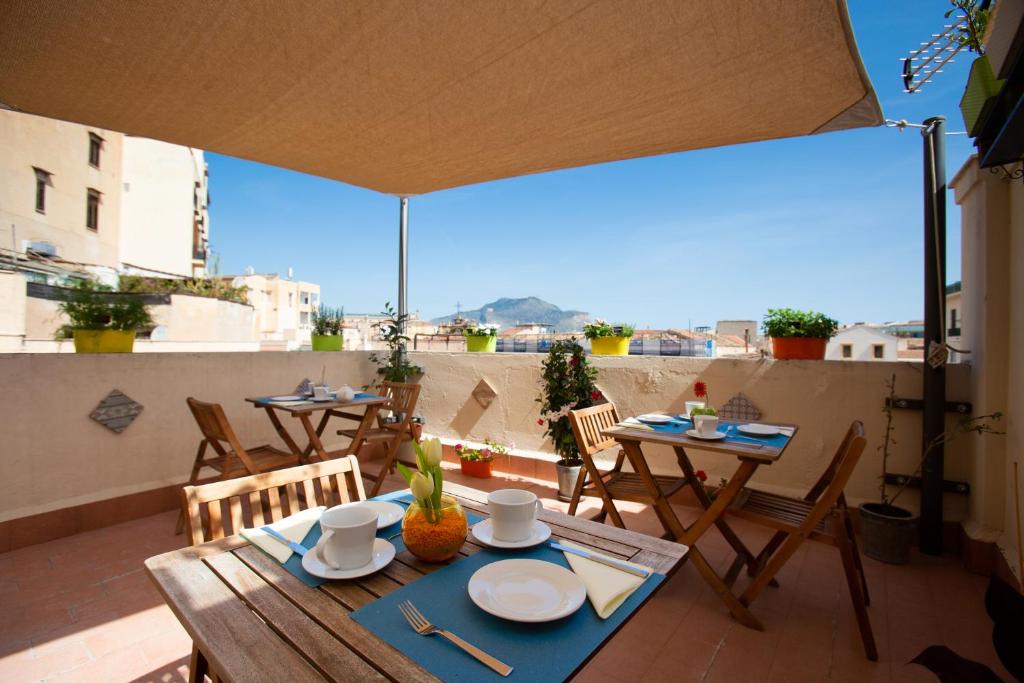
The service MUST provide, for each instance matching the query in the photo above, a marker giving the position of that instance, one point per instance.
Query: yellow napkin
(294, 528)
(607, 587)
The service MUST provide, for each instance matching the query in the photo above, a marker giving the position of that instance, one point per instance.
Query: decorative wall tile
(739, 407)
(116, 411)
(484, 393)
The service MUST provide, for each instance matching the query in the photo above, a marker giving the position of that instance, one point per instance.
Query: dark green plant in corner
(328, 321)
(395, 365)
(93, 306)
(788, 322)
(568, 384)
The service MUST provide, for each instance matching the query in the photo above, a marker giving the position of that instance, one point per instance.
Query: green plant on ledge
(93, 306)
(395, 365)
(211, 288)
(788, 322)
(328, 321)
(483, 331)
(602, 328)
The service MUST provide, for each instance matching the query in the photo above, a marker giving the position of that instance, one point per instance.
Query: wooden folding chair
(401, 402)
(223, 508)
(587, 425)
(233, 460)
(823, 516)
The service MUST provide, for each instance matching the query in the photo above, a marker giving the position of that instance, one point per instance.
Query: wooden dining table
(750, 454)
(305, 412)
(255, 621)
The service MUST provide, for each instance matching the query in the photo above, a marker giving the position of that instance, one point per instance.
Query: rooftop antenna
(928, 59)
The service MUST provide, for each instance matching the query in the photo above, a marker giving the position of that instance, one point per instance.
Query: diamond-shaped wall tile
(484, 393)
(739, 407)
(116, 411)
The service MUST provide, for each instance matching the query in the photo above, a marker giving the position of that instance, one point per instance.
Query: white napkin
(607, 587)
(633, 423)
(294, 528)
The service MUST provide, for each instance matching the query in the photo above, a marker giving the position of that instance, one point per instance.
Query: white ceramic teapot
(345, 393)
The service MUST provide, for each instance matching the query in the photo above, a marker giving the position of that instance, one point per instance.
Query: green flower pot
(982, 86)
(326, 342)
(481, 344)
(104, 341)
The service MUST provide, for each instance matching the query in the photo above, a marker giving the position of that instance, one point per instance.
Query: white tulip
(432, 452)
(421, 485)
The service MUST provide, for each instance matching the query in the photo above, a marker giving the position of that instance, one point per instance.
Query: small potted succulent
(478, 462)
(798, 335)
(481, 339)
(703, 414)
(328, 333)
(607, 339)
(101, 320)
(568, 383)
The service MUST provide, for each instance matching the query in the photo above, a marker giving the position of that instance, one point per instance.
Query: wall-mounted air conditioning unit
(40, 248)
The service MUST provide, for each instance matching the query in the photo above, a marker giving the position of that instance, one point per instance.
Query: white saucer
(697, 435)
(387, 513)
(759, 429)
(483, 531)
(526, 590)
(383, 553)
(655, 419)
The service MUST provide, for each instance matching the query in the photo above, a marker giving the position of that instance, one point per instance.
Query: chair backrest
(223, 508)
(401, 398)
(833, 479)
(587, 425)
(214, 425)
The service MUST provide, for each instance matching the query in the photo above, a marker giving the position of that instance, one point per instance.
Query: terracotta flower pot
(480, 469)
(798, 348)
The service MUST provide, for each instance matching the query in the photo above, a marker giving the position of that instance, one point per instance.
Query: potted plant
(567, 384)
(607, 339)
(982, 84)
(328, 333)
(101, 320)
(798, 335)
(477, 462)
(434, 526)
(481, 339)
(888, 530)
(394, 366)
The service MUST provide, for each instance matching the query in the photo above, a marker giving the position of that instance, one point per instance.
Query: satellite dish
(159, 333)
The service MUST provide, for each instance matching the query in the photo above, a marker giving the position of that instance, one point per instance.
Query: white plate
(759, 430)
(655, 419)
(387, 513)
(484, 532)
(526, 590)
(383, 553)
(714, 437)
(326, 399)
(285, 398)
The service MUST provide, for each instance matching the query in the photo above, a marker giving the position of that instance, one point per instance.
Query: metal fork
(423, 627)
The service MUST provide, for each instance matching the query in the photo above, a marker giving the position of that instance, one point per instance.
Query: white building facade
(862, 342)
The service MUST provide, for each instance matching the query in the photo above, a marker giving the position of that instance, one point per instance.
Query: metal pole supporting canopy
(403, 264)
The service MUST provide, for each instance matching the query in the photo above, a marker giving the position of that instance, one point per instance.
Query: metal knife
(601, 559)
(300, 549)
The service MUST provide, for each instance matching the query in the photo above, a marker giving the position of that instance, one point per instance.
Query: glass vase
(435, 535)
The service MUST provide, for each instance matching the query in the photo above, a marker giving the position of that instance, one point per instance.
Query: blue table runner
(680, 425)
(549, 651)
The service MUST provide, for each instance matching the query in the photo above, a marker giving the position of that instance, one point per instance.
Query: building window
(304, 319)
(43, 178)
(95, 145)
(314, 299)
(290, 296)
(879, 350)
(847, 350)
(92, 209)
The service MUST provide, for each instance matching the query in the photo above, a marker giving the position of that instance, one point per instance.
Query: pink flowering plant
(568, 383)
(486, 453)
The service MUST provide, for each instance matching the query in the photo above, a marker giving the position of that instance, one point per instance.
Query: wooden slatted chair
(823, 516)
(401, 402)
(231, 459)
(587, 425)
(222, 508)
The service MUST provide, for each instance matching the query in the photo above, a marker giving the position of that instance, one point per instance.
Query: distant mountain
(510, 312)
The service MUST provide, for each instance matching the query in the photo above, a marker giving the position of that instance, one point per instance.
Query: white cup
(690, 405)
(348, 535)
(707, 425)
(321, 392)
(512, 513)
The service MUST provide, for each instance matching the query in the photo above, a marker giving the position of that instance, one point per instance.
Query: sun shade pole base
(403, 265)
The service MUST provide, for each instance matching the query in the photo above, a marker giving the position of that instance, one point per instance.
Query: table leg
(314, 436)
(285, 436)
(319, 432)
(662, 508)
(365, 424)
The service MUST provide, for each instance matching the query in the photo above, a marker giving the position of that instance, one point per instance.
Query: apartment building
(282, 307)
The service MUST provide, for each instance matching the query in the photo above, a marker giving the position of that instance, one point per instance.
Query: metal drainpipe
(934, 389)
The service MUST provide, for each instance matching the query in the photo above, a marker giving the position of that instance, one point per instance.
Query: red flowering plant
(486, 453)
(712, 491)
(567, 384)
(700, 389)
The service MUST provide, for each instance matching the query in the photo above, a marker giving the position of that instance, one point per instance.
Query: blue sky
(830, 222)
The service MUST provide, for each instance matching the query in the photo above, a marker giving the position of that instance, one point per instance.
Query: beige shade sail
(408, 97)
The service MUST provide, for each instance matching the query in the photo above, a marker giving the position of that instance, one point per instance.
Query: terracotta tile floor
(81, 608)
